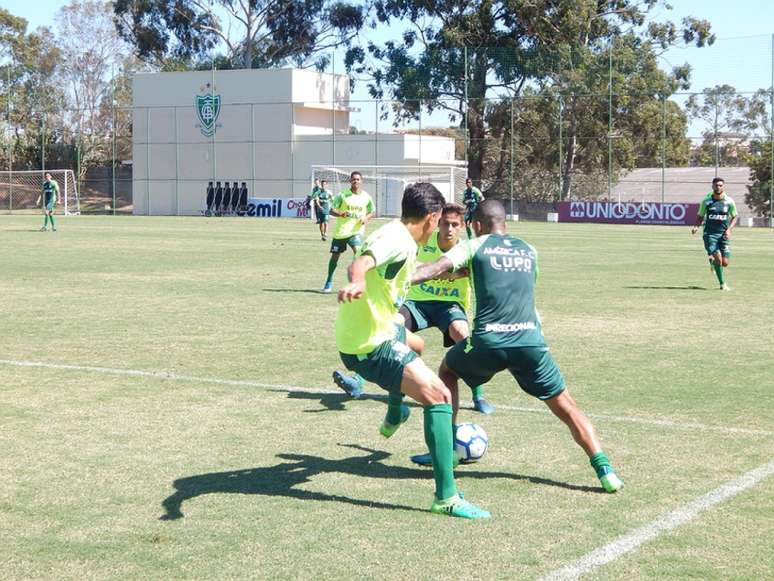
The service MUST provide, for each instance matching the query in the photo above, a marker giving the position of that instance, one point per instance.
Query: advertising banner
(277, 208)
(653, 213)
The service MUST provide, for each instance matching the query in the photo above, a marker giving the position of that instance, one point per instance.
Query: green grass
(294, 482)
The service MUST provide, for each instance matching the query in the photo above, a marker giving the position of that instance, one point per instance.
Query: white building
(264, 127)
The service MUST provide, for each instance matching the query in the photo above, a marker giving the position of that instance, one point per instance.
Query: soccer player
(471, 197)
(443, 303)
(371, 344)
(718, 212)
(322, 208)
(50, 195)
(353, 208)
(507, 333)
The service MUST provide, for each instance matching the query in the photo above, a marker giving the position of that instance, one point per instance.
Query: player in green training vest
(443, 303)
(50, 195)
(471, 197)
(371, 344)
(321, 198)
(507, 333)
(718, 212)
(353, 208)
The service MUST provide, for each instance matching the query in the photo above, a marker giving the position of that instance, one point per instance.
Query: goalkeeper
(50, 195)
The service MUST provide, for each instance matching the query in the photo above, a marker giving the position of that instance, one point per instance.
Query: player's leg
(538, 375)
(457, 331)
(421, 384)
(51, 219)
(45, 220)
(724, 250)
(337, 247)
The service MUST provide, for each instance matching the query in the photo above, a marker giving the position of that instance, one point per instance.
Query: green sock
(719, 272)
(478, 392)
(332, 264)
(439, 440)
(393, 408)
(53, 224)
(45, 220)
(601, 464)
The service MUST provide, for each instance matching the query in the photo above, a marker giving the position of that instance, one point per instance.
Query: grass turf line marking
(170, 376)
(682, 515)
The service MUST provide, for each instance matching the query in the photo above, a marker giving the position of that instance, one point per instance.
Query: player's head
(355, 181)
(323, 183)
(468, 183)
(48, 175)
(718, 185)
(316, 181)
(421, 208)
(489, 217)
(451, 222)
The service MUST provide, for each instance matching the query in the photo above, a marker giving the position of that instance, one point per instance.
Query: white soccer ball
(470, 442)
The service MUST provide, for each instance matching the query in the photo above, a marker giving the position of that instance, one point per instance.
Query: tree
(31, 97)
(758, 196)
(174, 34)
(459, 55)
(731, 119)
(94, 60)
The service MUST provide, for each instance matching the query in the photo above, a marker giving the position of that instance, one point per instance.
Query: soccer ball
(470, 442)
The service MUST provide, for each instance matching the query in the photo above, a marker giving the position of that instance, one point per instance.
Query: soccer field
(166, 411)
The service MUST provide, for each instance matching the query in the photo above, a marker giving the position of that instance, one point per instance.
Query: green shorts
(425, 314)
(339, 245)
(322, 217)
(533, 367)
(716, 242)
(384, 365)
(50, 206)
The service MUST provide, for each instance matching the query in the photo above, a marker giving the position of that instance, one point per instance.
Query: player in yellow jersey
(372, 345)
(353, 208)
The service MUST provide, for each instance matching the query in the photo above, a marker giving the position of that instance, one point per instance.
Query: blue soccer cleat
(328, 287)
(483, 406)
(352, 385)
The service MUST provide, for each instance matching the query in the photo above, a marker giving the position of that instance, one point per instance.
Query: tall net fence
(530, 129)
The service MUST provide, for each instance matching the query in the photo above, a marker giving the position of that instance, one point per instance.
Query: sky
(741, 57)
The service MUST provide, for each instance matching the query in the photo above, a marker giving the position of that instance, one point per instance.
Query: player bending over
(441, 303)
(507, 333)
(371, 344)
(718, 212)
(352, 208)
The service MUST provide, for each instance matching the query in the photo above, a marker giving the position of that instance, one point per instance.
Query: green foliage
(758, 196)
(180, 34)
(461, 55)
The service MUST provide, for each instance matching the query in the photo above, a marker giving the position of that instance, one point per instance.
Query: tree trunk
(571, 154)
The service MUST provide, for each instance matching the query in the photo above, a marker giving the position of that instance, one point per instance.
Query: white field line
(170, 376)
(682, 515)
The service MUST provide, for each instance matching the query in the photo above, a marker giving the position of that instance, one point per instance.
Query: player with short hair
(371, 344)
(322, 208)
(50, 195)
(507, 331)
(471, 197)
(718, 213)
(353, 208)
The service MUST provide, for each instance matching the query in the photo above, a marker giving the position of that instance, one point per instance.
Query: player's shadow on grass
(284, 478)
(293, 290)
(702, 288)
(331, 402)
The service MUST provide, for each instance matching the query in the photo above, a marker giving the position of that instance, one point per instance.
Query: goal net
(20, 189)
(386, 183)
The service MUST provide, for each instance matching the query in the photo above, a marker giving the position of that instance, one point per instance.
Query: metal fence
(527, 135)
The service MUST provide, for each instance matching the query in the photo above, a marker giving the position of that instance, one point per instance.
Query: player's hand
(727, 234)
(351, 291)
(693, 230)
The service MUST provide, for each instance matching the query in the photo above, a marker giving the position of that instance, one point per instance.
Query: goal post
(19, 189)
(386, 183)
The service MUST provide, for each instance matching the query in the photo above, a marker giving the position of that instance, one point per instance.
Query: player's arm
(429, 270)
(56, 193)
(699, 216)
(356, 275)
(336, 208)
(370, 212)
(732, 223)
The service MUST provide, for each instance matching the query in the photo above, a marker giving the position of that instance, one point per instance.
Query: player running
(353, 208)
(718, 212)
(507, 333)
(322, 208)
(50, 195)
(371, 344)
(471, 197)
